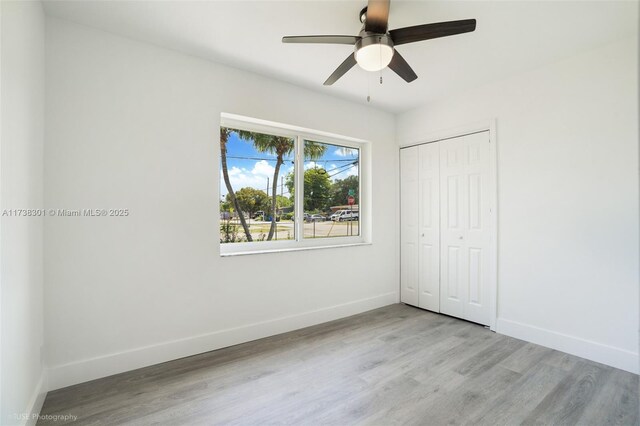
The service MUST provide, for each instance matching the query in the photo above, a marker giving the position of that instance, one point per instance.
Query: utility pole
(278, 203)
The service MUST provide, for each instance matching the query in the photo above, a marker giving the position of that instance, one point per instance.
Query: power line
(333, 161)
(345, 168)
(287, 160)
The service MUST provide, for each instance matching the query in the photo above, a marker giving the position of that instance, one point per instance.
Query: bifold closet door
(409, 266)
(420, 226)
(429, 226)
(465, 231)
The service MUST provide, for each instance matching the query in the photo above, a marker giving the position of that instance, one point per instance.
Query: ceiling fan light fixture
(374, 53)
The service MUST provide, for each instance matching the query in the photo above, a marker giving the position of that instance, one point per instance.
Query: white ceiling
(511, 37)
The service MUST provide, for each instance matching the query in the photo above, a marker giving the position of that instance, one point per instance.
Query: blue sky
(248, 167)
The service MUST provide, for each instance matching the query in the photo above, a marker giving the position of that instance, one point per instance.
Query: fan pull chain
(368, 89)
(380, 51)
(380, 61)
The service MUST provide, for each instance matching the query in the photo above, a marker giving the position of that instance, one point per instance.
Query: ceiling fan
(374, 46)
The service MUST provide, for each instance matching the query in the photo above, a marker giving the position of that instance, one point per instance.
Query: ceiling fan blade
(341, 70)
(377, 19)
(402, 68)
(429, 31)
(325, 39)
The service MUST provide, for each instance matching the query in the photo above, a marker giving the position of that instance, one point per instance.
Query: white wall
(21, 185)
(130, 125)
(567, 138)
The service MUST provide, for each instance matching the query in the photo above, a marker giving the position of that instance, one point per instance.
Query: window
(253, 204)
(331, 190)
(284, 188)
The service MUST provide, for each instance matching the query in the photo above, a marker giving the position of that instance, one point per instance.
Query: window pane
(255, 202)
(331, 190)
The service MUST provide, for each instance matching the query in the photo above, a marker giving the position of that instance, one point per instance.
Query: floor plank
(394, 365)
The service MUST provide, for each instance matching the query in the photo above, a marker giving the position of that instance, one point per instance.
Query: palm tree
(281, 147)
(224, 137)
(314, 150)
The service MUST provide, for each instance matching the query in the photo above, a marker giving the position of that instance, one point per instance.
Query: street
(285, 229)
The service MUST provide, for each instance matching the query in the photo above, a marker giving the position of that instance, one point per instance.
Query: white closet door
(465, 232)
(409, 266)
(429, 226)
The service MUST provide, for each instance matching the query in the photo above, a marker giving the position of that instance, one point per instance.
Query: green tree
(224, 138)
(284, 201)
(226, 205)
(317, 188)
(340, 191)
(251, 200)
(289, 182)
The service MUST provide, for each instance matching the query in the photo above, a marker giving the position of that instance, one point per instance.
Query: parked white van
(342, 215)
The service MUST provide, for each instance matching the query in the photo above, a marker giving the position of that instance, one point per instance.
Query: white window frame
(299, 135)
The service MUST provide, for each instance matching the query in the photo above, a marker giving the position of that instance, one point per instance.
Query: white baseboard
(94, 368)
(609, 355)
(37, 400)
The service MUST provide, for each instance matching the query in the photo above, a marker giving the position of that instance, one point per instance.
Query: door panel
(475, 201)
(464, 234)
(452, 202)
(475, 276)
(409, 231)
(429, 232)
(452, 282)
(453, 273)
(478, 232)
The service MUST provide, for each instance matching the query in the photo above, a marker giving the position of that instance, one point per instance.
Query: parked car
(342, 215)
(317, 218)
(258, 214)
(305, 217)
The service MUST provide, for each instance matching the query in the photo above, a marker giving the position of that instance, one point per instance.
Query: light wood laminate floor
(394, 365)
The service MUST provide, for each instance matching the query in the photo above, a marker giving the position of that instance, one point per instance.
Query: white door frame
(483, 126)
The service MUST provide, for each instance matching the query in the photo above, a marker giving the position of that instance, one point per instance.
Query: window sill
(290, 249)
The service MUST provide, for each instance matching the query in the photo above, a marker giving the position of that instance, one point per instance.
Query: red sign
(351, 200)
